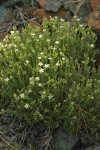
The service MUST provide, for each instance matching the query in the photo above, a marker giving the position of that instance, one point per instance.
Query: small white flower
(10, 44)
(6, 45)
(50, 58)
(44, 92)
(62, 20)
(15, 45)
(16, 50)
(61, 27)
(57, 42)
(72, 103)
(57, 64)
(65, 100)
(46, 65)
(7, 79)
(40, 84)
(22, 95)
(42, 53)
(74, 117)
(33, 34)
(44, 30)
(91, 45)
(78, 19)
(26, 106)
(56, 17)
(54, 48)
(39, 58)
(50, 96)
(40, 64)
(48, 40)
(41, 70)
(75, 17)
(61, 53)
(43, 96)
(63, 58)
(37, 78)
(31, 80)
(27, 61)
(30, 91)
(81, 25)
(37, 40)
(45, 56)
(12, 32)
(40, 36)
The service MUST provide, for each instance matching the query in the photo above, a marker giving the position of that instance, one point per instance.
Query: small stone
(95, 147)
(5, 14)
(53, 5)
(94, 4)
(94, 21)
(41, 13)
(61, 140)
(98, 8)
(42, 3)
(83, 10)
(11, 3)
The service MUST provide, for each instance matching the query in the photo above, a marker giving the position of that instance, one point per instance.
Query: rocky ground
(19, 13)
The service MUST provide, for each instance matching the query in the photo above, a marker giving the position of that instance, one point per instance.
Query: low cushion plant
(49, 75)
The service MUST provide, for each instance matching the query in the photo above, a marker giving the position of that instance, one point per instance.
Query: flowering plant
(47, 75)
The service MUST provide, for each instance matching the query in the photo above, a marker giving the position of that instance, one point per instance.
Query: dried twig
(72, 2)
(81, 112)
(7, 143)
(20, 14)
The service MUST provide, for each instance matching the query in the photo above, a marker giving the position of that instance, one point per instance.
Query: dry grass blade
(72, 2)
(2, 139)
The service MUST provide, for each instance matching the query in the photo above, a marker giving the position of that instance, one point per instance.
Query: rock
(53, 5)
(87, 140)
(94, 21)
(63, 141)
(41, 13)
(42, 3)
(98, 8)
(5, 14)
(94, 4)
(83, 10)
(11, 3)
(78, 8)
(95, 147)
(68, 3)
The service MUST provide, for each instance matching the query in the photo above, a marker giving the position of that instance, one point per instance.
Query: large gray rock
(53, 5)
(5, 14)
(11, 3)
(95, 147)
(83, 9)
(87, 140)
(61, 140)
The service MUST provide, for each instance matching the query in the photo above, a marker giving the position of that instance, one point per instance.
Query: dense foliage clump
(49, 74)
